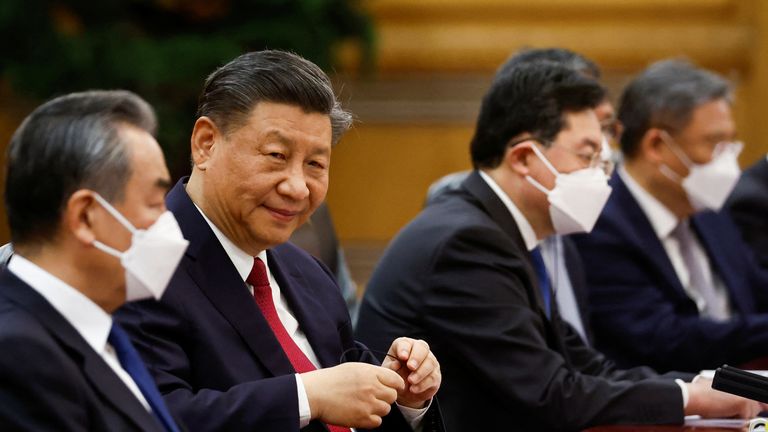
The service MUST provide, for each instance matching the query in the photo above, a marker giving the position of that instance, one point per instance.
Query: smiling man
(252, 330)
(466, 276)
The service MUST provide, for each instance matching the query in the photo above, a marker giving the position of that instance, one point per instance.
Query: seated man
(252, 329)
(84, 193)
(676, 288)
(562, 261)
(748, 206)
(462, 274)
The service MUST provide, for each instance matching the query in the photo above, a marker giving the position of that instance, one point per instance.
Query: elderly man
(252, 331)
(84, 193)
(465, 276)
(672, 283)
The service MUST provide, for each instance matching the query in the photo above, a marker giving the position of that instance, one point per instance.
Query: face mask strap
(667, 171)
(116, 214)
(675, 149)
(537, 185)
(104, 248)
(544, 160)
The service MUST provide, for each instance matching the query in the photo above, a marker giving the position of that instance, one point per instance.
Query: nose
(294, 185)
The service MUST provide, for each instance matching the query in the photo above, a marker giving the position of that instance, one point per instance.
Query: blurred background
(412, 71)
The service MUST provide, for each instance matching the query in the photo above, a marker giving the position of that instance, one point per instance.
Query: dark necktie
(543, 279)
(262, 294)
(131, 363)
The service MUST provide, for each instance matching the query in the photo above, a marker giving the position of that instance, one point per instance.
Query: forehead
(147, 160)
(711, 118)
(287, 122)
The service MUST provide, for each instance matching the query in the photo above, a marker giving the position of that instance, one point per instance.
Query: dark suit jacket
(50, 378)
(460, 277)
(640, 311)
(748, 206)
(211, 351)
(573, 265)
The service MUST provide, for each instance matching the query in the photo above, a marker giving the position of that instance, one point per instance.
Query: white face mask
(577, 199)
(707, 185)
(152, 257)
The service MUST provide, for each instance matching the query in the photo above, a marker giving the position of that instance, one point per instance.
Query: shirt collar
(662, 220)
(242, 260)
(89, 319)
(526, 230)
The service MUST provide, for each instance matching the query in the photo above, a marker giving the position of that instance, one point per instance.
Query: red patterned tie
(262, 293)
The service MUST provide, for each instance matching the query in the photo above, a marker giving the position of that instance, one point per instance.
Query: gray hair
(69, 143)
(231, 92)
(665, 96)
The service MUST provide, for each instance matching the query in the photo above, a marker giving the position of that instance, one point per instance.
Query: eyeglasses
(601, 160)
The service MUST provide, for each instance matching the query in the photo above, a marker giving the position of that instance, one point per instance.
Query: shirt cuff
(305, 414)
(684, 389)
(414, 416)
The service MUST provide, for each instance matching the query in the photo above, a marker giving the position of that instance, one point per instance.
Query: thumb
(390, 379)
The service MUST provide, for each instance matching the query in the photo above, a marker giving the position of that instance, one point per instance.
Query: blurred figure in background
(748, 206)
(672, 284)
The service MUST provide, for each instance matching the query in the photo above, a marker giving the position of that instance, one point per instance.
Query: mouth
(284, 215)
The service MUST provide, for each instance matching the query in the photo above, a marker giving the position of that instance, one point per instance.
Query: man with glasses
(561, 259)
(672, 284)
(465, 277)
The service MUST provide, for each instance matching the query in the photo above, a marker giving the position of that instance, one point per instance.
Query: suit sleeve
(38, 391)
(478, 303)
(160, 335)
(634, 316)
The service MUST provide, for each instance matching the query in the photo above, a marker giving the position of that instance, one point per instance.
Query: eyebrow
(287, 140)
(163, 183)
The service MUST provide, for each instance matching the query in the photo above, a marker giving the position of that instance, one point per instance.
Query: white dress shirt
(243, 263)
(529, 237)
(664, 223)
(88, 319)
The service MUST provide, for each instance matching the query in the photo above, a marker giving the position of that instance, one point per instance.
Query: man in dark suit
(679, 289)
(748, 206)
(462, 274)
(562, 261)
(83, 173)
(252, 330)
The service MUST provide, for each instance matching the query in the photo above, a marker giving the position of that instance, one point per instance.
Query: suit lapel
(501, 215)
(211, 269)
(640, 231)
(306, 309)
(103, 379)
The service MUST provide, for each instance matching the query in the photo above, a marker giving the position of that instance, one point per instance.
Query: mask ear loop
(547, 164)
(676, 150)
(120, 218)
(116, 214)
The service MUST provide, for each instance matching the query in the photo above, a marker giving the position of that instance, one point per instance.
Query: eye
(277, 155)
(317, 164)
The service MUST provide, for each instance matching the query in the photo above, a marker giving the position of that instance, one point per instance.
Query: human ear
(651, 144)
(79, 215)
(518, 158)
(205, 134)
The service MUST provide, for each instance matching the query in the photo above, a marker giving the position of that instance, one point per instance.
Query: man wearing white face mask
(672, 284)
(85, 176)
(465, 276)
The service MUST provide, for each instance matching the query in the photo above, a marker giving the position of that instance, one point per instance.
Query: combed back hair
(665, 96)
(563, 56)
(530, 97)
(69, 143)
(232, 91)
